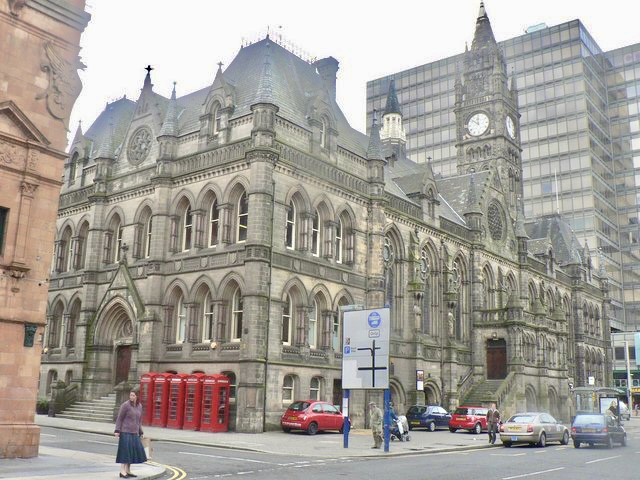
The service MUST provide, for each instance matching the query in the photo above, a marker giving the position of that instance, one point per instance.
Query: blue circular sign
(374, 320)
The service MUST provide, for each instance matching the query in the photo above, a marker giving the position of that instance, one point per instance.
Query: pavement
(64, 464)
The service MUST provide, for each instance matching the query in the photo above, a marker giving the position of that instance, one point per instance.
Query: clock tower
(487, 118)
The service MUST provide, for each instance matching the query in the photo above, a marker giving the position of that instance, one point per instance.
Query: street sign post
(365, 357)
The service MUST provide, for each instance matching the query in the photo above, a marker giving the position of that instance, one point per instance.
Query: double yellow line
(177, 473)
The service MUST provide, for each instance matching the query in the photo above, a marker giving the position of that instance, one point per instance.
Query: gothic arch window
(290, 226)
(232, 385)
(496, 221)
(316, 239)
(393, 279)
(532, 295)
(237, 312)
(180, 321)
(288, 389)
(315, 385)
(81, 246)
(55, 326)
(462, 322)
(488, 287)
(287, 321)
(113, 241)
(208, 318)
(216, 116)
(214, 223)
(323, 132)
(338, 240)
(314, 323)
(142, 234)
(345, 239)
(147, 235)
(242, 218)
(64, 248)
(186, 223)
(336, 333)
(74, 317)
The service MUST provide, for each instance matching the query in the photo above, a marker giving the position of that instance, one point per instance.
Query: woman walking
(129, 431)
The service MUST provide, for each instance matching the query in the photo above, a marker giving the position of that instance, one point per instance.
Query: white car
(625, 413)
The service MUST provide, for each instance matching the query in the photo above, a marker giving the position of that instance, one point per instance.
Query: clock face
(478, 124)
(511, 128)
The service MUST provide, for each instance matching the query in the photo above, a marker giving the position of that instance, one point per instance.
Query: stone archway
(531, 399)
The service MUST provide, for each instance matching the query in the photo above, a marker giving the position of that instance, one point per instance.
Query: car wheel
(565, 439)
(542, 442)
(609, 442)
(576, 444)
(624, 441)
(410, 427)
(453, 430)
(507, 444)
(477, 429)
(432, 426)
(286, 429)
(313, 428)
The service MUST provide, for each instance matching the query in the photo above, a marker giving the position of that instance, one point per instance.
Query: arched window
(315, 235)
(339, 232)
(425, 274)
(208, 327)
(287, 323)
(187, 229)
(288, 389)
(336, 333)
(81, 246)
(314, 388)
(147, 236)
(313, 325)
(73, 165)
(73, 318)
(236, 316)
(217, 119)
(214, 223)
(181, 321)
(65, 251)
(242, 218)
(290, 226)
(117, 233)
(323, 132)
(55, 326)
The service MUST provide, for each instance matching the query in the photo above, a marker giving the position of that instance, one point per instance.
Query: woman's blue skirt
(130, 449)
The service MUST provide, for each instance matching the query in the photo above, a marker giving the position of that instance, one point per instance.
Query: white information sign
(365, 354)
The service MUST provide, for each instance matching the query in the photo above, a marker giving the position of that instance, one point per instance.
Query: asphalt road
(552, 462)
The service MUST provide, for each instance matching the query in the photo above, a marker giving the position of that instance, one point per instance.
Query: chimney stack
(328, 69)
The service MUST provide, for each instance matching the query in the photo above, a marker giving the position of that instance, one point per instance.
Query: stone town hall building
(222, 232)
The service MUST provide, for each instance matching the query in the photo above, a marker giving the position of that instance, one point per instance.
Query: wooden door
(123, 363)
(496, 359)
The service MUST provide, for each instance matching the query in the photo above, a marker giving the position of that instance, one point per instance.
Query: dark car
(312, 416)
(428, 416)
(593, 428)
(473, 419)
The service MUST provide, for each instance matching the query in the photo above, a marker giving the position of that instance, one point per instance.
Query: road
(552, 462)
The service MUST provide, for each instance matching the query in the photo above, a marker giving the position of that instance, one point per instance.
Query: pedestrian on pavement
(129, 431)
(493, 420)
(637, 409)
(376, 424)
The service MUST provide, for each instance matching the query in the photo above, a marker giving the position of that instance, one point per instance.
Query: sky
(183, 40)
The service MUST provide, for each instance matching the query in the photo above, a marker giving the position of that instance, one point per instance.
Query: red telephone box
(215, 404)
(160, 399)
(146, 396)
(192, 401)
(175, 409)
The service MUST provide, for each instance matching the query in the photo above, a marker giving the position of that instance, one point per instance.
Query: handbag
(146, 443)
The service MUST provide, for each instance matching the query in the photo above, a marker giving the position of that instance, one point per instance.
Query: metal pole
(626, 361)
(345, 414)
(387, 418)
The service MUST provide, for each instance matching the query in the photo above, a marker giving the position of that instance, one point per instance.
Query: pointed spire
(393, 106)
(106, 149)
(265, 84)
(78, 135)
(473, 202)
(484, 34)
(602, 271)
(147, 79)
(574, 252)
(513, 87)
(170, 124)
(374, 152)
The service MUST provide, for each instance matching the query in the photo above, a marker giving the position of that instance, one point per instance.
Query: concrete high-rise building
(578, 120)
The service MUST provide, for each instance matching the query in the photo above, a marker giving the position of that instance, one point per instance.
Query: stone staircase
(482, 393)
(100, 410)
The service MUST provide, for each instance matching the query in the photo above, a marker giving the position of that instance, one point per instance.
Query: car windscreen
(589, 420)
(461, 411)
(522, 419)
(299, 406)
(416, 409)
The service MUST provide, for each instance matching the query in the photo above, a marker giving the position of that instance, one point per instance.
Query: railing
(465, 384)
(505, 389)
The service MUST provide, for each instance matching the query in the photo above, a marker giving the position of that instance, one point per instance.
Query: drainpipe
(266, 353)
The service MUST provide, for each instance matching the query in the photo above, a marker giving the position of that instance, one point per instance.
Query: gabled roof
(553, 230)
(118, 113)
(23, 127)
(455, 190)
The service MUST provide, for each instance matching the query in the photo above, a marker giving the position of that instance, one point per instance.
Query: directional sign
(365, 356)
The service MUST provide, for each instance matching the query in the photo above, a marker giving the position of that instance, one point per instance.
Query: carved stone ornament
(33, 159)
(139, 145)
(495, 218)
(64, 83)
(15, 6)
(28, 189)
(8, 153)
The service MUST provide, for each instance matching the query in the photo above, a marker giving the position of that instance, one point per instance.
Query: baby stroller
(400, 429)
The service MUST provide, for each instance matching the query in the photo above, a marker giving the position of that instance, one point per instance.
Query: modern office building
(578, 119)
(626, 364)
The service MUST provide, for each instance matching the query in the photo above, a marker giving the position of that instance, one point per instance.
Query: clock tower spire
(487, 118)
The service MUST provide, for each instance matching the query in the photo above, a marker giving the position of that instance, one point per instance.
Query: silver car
(534, 428)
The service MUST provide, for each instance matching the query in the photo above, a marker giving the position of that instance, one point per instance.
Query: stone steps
(99, 410)
(482, 393)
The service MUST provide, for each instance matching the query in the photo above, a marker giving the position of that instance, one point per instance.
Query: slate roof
(455, 190)
(553, 228)
(484, 34)
(392, 106)
(118, 113)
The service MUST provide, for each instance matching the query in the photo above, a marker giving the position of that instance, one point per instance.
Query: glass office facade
(563, 80)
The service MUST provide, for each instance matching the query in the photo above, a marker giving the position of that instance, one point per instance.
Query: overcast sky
(185, 39)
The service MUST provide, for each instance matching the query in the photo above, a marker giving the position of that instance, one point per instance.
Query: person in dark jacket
(493, 420)
(129, 431)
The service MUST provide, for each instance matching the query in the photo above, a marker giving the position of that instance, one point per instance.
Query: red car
(473, 419)
(312, 416)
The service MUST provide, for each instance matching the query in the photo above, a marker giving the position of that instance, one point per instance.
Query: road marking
(602, 459)
(533, 473)
(103, 443)
(507, 454)
(177, 473)
(228, 458)
(46, 435)
(245, 473)
(540, 451)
